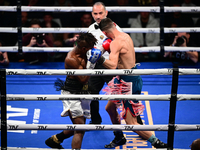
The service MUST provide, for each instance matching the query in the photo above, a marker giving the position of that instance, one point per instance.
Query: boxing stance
(122, 56)
(77, 110)
(96, 83)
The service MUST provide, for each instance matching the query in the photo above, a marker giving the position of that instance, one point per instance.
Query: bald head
(99, 4)
(195, 145)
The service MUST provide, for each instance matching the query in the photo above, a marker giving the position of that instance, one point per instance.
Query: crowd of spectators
(84, 19)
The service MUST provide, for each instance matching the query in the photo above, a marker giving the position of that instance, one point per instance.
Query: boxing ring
(174, 72)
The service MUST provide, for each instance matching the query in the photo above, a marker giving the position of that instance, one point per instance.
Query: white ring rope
(89, 9)
(77, 30)
(14, 49)
(166, 97)
(101, 72)
(100, 127)
(17, 97)
(27, 148)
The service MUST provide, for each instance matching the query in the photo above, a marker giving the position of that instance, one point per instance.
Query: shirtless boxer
(122, 56)
(77, 110)
(96, 83)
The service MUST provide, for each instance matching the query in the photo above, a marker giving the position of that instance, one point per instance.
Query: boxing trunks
(124, 85)
(76, 108)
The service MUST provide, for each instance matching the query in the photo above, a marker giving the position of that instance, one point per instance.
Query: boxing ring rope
(14, 49)
(175, 72)
(155, 9)
(166, 97)
(77, 30)
(22, 148)
(18, 97)
(101, 72)
(178, 127)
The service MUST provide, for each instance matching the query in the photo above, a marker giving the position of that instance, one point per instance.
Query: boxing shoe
(159, 144)
(118, 140)
(53, 142)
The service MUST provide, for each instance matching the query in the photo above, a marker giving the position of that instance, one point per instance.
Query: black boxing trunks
(71, 85)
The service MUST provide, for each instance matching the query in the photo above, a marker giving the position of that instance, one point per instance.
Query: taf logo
(71, 127)
(99, 72)
(128, 71)
(12, 73)
(13, 127)
(41, 73)
(42, 127)
(41, 98)
(100, 127)
(97, 98)
(70, 72)
(129, 127)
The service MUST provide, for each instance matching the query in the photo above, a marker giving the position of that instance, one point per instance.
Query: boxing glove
(93, 55)
(106, 44)
(90, 65)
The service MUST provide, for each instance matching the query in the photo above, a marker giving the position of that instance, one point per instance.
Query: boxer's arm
(112, 62)
(74, 63)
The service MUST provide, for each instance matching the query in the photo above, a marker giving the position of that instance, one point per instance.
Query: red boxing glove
(106, 44)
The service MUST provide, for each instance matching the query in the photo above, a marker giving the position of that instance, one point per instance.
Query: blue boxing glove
(93, 55)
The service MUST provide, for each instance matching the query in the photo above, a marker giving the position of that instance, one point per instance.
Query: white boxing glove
(93, 55)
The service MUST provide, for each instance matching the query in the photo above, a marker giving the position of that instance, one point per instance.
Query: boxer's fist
(93, 55)
(106, 44)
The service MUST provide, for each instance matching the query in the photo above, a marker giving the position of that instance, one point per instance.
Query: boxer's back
(127, 52)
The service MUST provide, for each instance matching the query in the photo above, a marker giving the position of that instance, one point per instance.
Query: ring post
(3, 110)
(19, 27)
(162, 25)
(172, 111)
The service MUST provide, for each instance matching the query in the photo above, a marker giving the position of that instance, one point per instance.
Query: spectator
(48, 22)
(84, 22)
(3, 56)
(38, 2)
(182, 39)
(195, 145)
(86, 2)
(25, 22)
(178, 19)
(197, 35)
(36, 40)
(121, 18)
(188, 3)
(65, 21)
(70, 41)
(63, 3)
(155, 3)
(145, 20)
(144, 2)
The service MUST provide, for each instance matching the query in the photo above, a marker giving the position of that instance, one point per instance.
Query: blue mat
(48, 112)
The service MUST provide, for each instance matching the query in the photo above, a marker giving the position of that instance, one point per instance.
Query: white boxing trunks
(76, 108)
